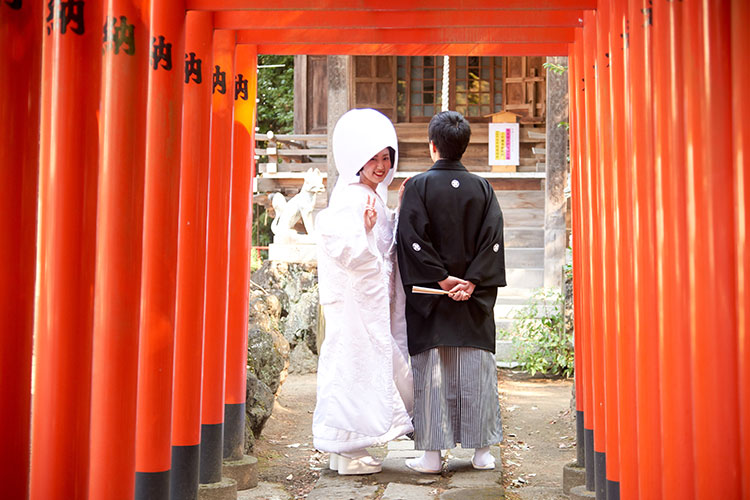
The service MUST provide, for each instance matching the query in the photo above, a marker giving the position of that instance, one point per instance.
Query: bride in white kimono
(365, 392)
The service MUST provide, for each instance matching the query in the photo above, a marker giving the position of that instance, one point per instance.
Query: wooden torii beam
(490, 18)
(416, 49)
(390, 5)
(406, 35)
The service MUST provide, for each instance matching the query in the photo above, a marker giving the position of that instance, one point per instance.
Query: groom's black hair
(450, 132)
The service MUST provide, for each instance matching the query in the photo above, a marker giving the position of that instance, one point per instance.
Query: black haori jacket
(450, 223)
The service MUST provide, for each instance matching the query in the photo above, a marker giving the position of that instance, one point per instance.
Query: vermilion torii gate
(126, 169)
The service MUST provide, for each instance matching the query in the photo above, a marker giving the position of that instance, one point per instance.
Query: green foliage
(275, 94)
(557, 69)
(543, 345)
(564, 124)
(262, 235)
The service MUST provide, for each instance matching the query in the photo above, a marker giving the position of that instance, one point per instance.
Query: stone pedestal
(244, 471)
(581, 493)
(226, 489)
(301, 253)
(573, 476)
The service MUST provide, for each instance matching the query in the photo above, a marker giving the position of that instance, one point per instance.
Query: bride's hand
(371, 216)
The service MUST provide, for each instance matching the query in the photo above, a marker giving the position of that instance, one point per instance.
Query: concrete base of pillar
(573, 475)
(581, 493)
(243, 471)
(226, 489)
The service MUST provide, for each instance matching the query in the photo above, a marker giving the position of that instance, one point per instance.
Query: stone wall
(282, 335)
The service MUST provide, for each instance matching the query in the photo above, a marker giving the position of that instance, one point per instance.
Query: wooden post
(20, 85)
(596, 257)
(69, 161)
(741, 146)
(672, 240)
(557, 165)
(191, 256)
(647, 315)
(159, 269)
(712, 248)
(217, 263)
(585, 248)
(607, 191)
(117, 293)
(626, 367)
(577, 210)
(338, 104)
(241, 223)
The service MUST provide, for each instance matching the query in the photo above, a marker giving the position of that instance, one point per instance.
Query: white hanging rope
(446, 82)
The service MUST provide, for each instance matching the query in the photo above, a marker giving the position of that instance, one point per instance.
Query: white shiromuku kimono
(365, 392)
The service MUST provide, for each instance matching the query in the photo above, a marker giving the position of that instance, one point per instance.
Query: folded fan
(429, 291)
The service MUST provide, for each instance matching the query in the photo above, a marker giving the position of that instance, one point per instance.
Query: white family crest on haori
(289, 245)
(365, 392)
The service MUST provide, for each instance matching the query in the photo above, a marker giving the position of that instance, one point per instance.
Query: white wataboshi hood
(358, 136)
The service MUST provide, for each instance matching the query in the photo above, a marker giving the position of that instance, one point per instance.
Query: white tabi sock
(482, 457)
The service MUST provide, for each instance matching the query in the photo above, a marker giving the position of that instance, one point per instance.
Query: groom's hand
(457, 288)
(450, 282)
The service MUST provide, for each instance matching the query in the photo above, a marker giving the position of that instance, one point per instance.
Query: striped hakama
(455, 398)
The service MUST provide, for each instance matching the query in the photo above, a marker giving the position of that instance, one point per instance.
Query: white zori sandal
(355, 463)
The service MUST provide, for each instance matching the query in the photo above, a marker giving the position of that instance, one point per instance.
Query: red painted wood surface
(241, 221)
(488, 18)
(69, 161)
(191, 246)
(416, 49)
(159, 268)
(711, 248)
(595, 236)
(607, 191)
(117, 293)
(342, 7)
(217, 263)
(626, 366)
(741, 159)
(422, 36)
(671, 232)
(20, 69)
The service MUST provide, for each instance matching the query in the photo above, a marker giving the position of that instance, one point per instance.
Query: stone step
(524, 217)
(510, 200)
(522, 237)
(524, 258)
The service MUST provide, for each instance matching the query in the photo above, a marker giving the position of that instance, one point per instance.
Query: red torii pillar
(69, 159)
(20, 84)
(585, 288)
(217, 263)
(118, 253)
(159, 269)
(191, 256)
(626, 366)
(672, 240)
(595, 304)
(741, 149)
(647, 319)
(607, 179)
(575, 176)
(241, 221)
(712, 244)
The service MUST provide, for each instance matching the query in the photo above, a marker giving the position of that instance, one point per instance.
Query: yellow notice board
(503, 143)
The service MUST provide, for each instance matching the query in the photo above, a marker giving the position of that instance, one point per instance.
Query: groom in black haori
(450, 244)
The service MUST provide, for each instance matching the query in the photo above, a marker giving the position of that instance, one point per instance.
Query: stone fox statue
(300, 206)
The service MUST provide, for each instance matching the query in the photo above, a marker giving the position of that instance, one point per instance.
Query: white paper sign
(503, 143)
